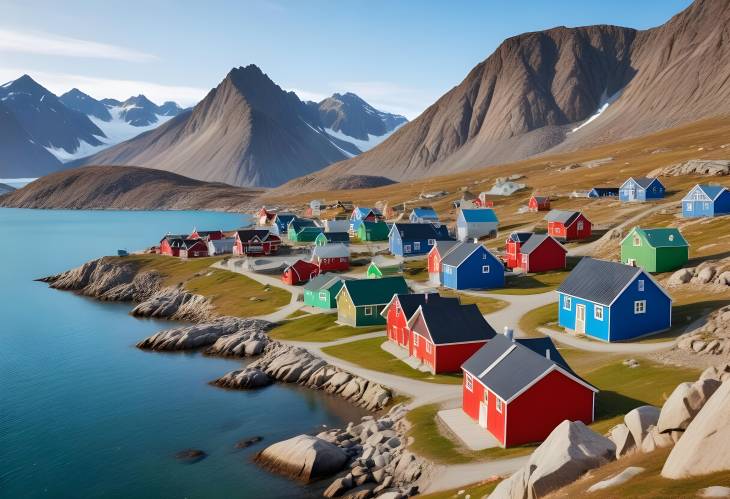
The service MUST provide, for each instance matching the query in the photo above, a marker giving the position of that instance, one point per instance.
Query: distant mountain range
(41, 131)
(560, 90)
(249, 131)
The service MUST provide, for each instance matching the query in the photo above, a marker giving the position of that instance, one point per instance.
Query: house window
(689, 206)
(484, 256)
(567, 305)
(637, 240)
(417, 246)
(641, 284)
(447, 269)
(368, 310)
(580, 225)
(415, 340)
(706, 206)
(322, 295)
(428, 347)
(485, 269)
(407, 248)
(469, 381)
(640, 307)
(499, 405)
(598, 312)
(431, 242)
(397, 309)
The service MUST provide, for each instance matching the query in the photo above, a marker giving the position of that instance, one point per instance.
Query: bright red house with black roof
(170, 244)
(300, 272)
(539, 203)
(519, 390)
(208, 235)
(445, 333)
(256, 242)
(192, 248)
(568, 225)
(436, 255)
(542, 253)
(512, 248)
(397, 312)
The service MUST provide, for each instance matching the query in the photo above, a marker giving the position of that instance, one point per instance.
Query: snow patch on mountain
(362, 145)
(602, 106)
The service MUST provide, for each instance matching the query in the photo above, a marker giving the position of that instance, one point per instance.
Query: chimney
(509, 333)
(547, 353)
(476, 241)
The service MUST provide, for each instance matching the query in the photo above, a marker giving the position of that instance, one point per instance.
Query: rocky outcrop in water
(247, 342)
(304, 458)
(175, 303)
(297, 365)
(205, 334)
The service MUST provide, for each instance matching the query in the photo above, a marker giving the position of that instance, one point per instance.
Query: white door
(632, 194)
(580, 318)
(483, 414)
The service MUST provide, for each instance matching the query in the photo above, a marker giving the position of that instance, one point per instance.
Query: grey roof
(598, 281)
(644, 181)
(441, 315)
(323, 281)
(534, 242)
(564, 217)
(511, 373)
(443, 247)
(457, 255)
(520, 237)
(332, 250)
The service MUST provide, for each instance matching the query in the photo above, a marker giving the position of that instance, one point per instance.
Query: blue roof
(712, 191)
(644, 182)
(479, 215)
(425, 212)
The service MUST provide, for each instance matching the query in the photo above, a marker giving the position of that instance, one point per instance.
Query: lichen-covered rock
(175, 303)
(304, 458)
(682, 276)
(202, 335)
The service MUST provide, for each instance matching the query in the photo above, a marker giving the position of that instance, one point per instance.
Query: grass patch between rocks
(317, 327)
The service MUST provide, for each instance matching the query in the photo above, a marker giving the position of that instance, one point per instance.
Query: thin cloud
(32, 42)
(100, 88)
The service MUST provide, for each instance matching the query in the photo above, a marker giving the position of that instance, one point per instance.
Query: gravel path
(446, 477)
(599, 346)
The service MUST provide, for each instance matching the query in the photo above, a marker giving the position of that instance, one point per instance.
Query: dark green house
(655, 250)
(321, 291)
(373, 231)
(303, 230)
(360, 301)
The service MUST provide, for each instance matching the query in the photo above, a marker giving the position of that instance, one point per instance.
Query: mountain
(20, 155)
(246, 131)
(47, 121)
(169, 108)
(348, 117)
(5, 188)
(127, 188)
(78, 101)
(560, 90)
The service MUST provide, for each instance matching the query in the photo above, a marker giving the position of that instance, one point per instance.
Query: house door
(632, 194)
(483, 414)
(580, 318)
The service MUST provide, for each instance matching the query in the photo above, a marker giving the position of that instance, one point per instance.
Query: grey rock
(639, 420)
(684, 403)
(623, 439)
(304, 458)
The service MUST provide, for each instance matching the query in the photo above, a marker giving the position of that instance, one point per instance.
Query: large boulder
(703, 448)
(304, 458)
(640, 419)
(570, 450)
(621, 436)
(682, 276)
(684, 403)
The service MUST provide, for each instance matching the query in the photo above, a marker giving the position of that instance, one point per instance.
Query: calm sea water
(83, 413)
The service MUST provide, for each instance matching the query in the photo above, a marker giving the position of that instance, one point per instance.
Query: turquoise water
(83, 413)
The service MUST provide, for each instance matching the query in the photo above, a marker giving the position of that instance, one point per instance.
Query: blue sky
(399, 55)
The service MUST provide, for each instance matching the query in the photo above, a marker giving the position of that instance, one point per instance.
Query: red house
(541, 253)
(208, 235)
(539, 203)
(399, 310)
(265, 217)
(193, 248)
(170, 244)
(331, 257)
(519, 390)
(299, 272)
(255, 242)
(512, 248)
(436, 255)
(568, 225)
(445, 333)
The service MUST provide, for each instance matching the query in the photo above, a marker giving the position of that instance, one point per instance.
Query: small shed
(655, 250)
(221, 246)
(603, 192)
(476, 223)
(568, 225)
(381, 266)
(299, 272)
(423, 214)
(539, 203)
(320, 292)
(336, 225)
(706, 201)
(280, 224)
(512, 248)
(331, 257)
(331, 238)
(520, 390)
(193, 248)
(542, 253)
(360, 301)
(373, 231)
(641, 189)
(472, 266)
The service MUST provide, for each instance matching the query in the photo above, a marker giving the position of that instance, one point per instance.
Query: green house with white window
(373, 231)
(321, 292)
(360, 301)
(655, 250)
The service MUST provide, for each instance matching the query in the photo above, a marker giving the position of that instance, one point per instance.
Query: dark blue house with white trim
(603, 192)
(281, 222)
(423, 215)
(641, 189)
(408, 239)
(706, 201)
(471, 266)
(610, 302)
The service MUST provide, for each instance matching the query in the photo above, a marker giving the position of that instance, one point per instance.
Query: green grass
(429, 441)
(416, 270)
(476, 491)
(486, 305)
(317, 327)
(538, 317)
(369, 355)
(532, 284)
(296, 314)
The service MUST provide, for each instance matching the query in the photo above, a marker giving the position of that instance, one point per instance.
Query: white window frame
(498, 404)
(567, 303)
(469, 382)
(705, 205)
(397, 309)
(485, 269)
(406, 248)
(431, 242)
(416, 245)
(641, 284)
(322, 295)
(368, 310)
(689, 206)
(636, 241)
(580, 225)
(598, 312)
(429, 348)
(415, 340)
(639, 307)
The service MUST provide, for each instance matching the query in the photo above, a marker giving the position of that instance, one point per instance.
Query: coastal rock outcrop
(204, 334)
(710, 339)
(303, 457)
(298, 365)
(175, 303)
(247, 342)
(570, 450)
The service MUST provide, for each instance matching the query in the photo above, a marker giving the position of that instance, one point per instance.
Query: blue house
(423, 215)
(472, 266)
(610, 301)
(476, 223)
(706, 201)
(360, 215)
(281, 223)
(407, 239)
(641, 189)
(603, 192)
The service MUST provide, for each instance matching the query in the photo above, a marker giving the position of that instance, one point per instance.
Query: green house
(331, 237)
(373, 231)
(375, 271)
(304, 235)
(655, 250)
(360, 301)
(321, 291)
